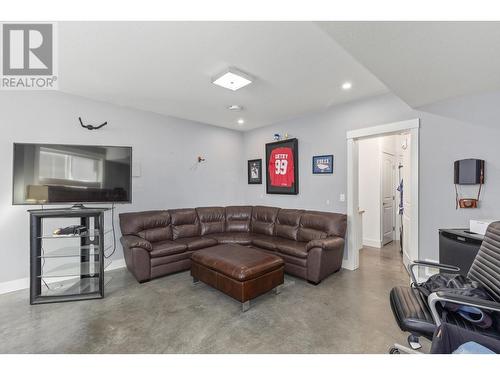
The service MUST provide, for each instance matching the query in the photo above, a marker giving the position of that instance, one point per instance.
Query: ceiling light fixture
(235, 107)
(346, 86)
(241, 121)
(232, 79)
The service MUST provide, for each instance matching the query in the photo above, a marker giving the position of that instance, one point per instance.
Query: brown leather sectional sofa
(157, 243)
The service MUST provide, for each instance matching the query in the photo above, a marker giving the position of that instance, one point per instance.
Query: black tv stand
(67, 267)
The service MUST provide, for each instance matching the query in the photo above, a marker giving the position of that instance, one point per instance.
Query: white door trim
(394, 127)
(351, 261)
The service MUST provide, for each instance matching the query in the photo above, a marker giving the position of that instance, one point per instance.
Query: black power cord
(113, 230)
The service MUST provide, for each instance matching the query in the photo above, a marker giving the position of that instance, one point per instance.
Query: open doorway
(392, 154)
(383, 163)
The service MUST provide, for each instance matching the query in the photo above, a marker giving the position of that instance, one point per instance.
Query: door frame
(351, 261)
(393, 179)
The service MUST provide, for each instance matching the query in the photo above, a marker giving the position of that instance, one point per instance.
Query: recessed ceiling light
(235, 107)
(346, 85)
(232, 80)
(241, 121)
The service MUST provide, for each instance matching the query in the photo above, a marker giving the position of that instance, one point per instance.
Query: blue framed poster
(322, 164)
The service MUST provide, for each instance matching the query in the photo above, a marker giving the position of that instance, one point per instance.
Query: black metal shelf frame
(93, 220)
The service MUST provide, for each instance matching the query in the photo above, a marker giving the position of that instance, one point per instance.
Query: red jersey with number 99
(281, 167)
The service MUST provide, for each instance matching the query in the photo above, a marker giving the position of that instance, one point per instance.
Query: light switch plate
(136, 169)
(342, 197)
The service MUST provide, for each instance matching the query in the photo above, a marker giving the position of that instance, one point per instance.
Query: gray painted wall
(166, 148)
(442, 140)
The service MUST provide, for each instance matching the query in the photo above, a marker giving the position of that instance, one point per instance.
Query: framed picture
(255, 171)
(322, 164)
(282, 167)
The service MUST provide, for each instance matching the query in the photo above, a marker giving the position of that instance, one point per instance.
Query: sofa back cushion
(212, 219)
(238, 218)
(316, 225)
(287, 223)
(263, 219)
(185, 223)
(153, 226)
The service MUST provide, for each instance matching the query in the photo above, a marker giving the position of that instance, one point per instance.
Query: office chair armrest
(424, 263)
(441, 296)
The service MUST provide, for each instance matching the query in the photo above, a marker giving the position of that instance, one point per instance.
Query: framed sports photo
(255, 171)
(322, 164)
(282, 167)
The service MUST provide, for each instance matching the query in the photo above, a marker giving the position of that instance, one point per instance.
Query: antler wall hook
(91, 127)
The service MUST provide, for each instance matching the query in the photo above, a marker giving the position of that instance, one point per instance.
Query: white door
(409, 254)
(388, 198)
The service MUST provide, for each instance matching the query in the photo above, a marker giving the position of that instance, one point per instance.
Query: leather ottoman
(240, 272)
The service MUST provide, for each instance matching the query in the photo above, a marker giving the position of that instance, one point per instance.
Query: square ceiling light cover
(232, 79)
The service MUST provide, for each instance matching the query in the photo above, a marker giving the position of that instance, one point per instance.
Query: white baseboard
(372, 243)
(348, 265)
(24, 283)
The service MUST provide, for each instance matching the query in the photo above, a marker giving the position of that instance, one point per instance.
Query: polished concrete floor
(348, 312)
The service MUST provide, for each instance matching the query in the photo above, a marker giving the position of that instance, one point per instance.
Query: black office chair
(448, 338)
(421, 316)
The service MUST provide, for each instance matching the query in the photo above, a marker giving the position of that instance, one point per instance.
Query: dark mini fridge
(458, 247)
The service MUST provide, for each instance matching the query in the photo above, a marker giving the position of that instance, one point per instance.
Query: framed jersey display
(282, 167)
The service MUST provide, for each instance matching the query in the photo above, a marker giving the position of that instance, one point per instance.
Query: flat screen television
(59, 174)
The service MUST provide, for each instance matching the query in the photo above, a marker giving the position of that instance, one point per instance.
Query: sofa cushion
(241, 238)
(164, 248)
(158, 261)
(212, 219)
(263, 219)
(290, 259)
(264, 242)
(287, 223)
(238, 218)
(185, 223)
(316, 225)
(293, 248)
(196, 243)
(153, 226)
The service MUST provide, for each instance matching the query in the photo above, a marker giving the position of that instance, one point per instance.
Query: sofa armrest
(130, 241)
(329, 243)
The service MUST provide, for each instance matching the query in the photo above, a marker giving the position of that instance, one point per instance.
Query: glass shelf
(72, 251)
(91, 233)
(74, 269)
(89, 285)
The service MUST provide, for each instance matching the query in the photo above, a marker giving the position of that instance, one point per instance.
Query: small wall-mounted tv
(59, 174)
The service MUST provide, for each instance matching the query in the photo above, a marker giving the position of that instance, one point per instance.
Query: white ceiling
(299, 67)
(425, 62)
(166, 67)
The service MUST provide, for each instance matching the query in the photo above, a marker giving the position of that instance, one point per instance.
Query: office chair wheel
(394, 350)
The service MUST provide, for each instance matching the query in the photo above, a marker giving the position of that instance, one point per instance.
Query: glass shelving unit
(67, 267)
